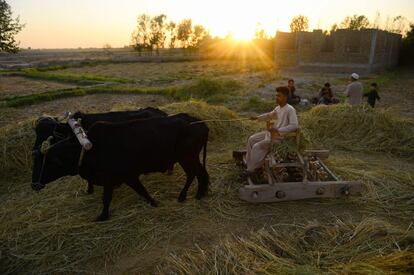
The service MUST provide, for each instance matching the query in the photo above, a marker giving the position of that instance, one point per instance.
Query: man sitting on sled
(259, 144)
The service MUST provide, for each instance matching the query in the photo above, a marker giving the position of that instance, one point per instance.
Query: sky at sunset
(93, 23)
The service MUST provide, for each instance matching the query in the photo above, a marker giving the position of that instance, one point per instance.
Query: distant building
(367, 50)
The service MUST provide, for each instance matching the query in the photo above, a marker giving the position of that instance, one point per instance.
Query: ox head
(54, 152)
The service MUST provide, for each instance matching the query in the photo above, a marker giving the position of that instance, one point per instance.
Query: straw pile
(16, 143)
(370, 246)
(358, 128)
(222, 122)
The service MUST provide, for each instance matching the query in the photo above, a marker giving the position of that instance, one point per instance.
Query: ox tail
(205, 152)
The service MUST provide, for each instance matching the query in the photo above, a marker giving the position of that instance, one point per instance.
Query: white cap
(355, 76)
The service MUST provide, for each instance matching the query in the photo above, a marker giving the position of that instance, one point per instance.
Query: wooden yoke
(80, 133)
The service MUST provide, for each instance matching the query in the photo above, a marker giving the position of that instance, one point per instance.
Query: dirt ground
(398, 93)
(207, 223)
(14, 85)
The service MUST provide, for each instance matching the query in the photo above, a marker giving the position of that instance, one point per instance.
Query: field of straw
(53, 231)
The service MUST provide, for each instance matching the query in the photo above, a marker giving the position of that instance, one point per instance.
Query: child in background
(372, 95)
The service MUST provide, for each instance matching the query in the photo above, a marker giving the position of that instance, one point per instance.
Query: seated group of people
(286, 121)
(354, 93)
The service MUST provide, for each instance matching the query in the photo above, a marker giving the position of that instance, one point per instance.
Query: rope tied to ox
(219, 120)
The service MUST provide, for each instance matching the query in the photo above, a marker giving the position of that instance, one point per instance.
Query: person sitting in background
(372, 95)
(292, 98)
(326, 95)
(326, 99)
(354, 90)
(259, 144)
(326, 89)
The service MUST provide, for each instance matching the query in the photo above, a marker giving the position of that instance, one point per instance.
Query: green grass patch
(259, 105)
(205, 89)
(210, 90)
(84, 63)
(83, 79)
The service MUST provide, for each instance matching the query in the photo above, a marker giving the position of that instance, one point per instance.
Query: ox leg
(191, 171)
(140, 189)
(203, 179)
(106, 198)
(90, 188)
(183, 194)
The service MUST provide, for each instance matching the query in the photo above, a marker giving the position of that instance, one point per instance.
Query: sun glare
(242, 35)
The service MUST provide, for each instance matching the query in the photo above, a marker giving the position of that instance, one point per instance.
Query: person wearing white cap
(354, 91)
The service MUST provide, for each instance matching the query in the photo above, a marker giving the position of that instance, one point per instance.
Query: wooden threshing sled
(298, 176)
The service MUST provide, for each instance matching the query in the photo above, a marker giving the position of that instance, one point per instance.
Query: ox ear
(45, 118)
(65, 117)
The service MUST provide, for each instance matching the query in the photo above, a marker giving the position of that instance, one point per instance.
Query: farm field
(53, 231)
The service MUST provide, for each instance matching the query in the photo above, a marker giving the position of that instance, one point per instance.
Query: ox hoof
(199, 196)
(154, 204)
(89, 191)
(182, 198)
(102, 218)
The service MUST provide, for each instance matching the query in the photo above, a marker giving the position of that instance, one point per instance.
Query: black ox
(48, 126)
(123, 151)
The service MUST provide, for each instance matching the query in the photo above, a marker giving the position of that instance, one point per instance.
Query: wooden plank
(328, 170)
(323, 154)
(288, 191)
(288, 164)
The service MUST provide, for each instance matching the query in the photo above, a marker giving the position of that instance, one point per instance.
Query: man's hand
(274, 132)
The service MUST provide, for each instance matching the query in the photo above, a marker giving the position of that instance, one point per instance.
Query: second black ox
(123, 151)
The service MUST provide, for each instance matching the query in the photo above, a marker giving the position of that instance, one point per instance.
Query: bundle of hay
(222, 122)
(358, 128)
(16, 143)
(290, 146)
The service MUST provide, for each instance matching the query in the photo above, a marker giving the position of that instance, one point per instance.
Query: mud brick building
(364, 51)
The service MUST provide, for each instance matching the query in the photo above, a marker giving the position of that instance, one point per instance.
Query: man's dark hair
(284, 90)
(291, 81)
(374, 84)
(327, 84)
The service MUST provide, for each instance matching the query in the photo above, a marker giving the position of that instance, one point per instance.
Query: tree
(9, 28)
(158, 33)
(141, 37)
(334, 27)
(400, 25)
(299, 23)
(172, 34)
(407, 47)
(184, 31)
(197, 36)
(107, 49)
(260, 33)
(355, 22)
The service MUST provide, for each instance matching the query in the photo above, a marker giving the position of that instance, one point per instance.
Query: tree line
(398, 24)
(157, 32)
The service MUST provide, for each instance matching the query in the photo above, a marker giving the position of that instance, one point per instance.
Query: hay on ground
(358, 128)
(369, 246)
